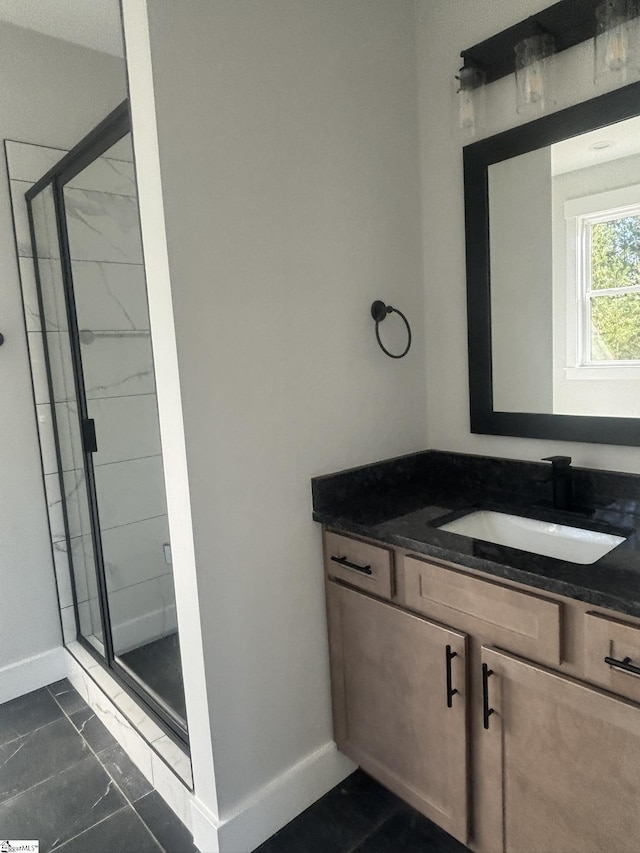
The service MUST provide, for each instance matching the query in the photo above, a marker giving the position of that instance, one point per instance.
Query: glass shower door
(71, 525)
(114, 347)
(92, 287)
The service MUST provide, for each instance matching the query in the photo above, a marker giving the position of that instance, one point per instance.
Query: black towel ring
(379, 311)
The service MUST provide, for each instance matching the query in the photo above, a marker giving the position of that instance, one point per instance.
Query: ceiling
(598, 146)
(91, 23)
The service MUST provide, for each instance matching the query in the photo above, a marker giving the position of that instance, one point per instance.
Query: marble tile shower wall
(109, 286)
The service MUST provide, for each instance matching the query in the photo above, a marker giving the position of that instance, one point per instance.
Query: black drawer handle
(451, 691)
(624, 664)
(342, 561)
(486, 710)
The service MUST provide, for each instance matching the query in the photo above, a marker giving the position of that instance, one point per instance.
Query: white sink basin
(538, 537)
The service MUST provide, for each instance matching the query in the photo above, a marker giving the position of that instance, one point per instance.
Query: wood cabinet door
(395, 710)
(563, 762)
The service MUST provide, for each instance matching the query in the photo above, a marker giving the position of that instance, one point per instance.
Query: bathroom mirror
(553, 275)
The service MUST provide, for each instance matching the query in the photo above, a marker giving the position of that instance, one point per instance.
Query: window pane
(615, 327)
(615, 253)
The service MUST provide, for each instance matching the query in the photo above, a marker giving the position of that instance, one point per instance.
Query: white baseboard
(31, 674)
(273, 806)
(144, 629)
(205, 827)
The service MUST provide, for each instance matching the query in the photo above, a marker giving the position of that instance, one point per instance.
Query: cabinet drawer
(605, 637)
(359, 564)
(516, 621)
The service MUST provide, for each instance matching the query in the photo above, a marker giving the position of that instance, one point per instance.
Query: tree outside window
(611, 305)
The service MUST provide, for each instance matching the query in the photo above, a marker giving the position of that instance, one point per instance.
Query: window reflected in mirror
(564, 239)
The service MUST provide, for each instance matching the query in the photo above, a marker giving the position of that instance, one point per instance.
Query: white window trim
(596, 203)
(604, 371)
(580, 215)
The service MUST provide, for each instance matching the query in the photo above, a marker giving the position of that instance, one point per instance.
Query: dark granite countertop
(403, 501)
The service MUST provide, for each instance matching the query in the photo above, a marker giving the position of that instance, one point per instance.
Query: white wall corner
(273, 806)
(152, 222)
(32, 673)
(204, 826)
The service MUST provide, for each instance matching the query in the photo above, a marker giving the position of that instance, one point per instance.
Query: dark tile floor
(360, 816)
(158, 665)
(65, 781)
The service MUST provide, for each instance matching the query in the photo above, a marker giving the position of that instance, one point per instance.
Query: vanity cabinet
(611, 648)
(519, 621)
(562, 760)
(487, 706)
(400, 702)
(368, 567)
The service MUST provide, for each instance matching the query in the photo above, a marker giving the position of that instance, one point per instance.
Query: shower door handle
(89, 442)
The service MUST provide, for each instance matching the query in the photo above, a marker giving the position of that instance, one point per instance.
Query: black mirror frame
(598, 112)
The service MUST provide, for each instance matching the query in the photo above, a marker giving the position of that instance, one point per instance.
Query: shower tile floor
(65, 781)
(158, 666)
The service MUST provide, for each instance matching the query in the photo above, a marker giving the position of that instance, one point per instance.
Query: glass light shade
(534, 73)
(470, 93)
(616, 41)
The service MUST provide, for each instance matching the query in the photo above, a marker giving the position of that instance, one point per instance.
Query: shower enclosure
(86, 244)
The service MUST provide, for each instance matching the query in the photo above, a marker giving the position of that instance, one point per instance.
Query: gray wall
(51, 93)
(289, 155)
(521, 282)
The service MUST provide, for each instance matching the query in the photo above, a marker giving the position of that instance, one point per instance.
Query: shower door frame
(113, 128)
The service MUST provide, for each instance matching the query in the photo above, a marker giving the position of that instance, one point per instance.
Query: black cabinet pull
(342, 561)
(624, 664)
(486, 710)
(451, 691)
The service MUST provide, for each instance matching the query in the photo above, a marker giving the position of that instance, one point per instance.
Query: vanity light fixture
(528, 46)
(616, 38)
(534, 70)
(471, 97)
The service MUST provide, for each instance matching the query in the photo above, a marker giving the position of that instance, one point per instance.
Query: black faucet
(562, 481)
